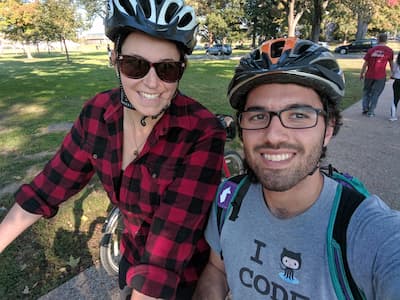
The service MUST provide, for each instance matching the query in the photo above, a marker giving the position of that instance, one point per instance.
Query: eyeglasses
(136, 67)
(300, 117)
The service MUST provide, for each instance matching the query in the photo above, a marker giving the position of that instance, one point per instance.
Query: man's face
(282, 157)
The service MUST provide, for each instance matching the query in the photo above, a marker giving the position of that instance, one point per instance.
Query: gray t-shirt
(270, 258)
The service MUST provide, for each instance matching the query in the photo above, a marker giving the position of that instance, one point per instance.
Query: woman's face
(149, 94)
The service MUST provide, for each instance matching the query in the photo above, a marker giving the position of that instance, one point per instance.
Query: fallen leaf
(73, 262)
(26, 290)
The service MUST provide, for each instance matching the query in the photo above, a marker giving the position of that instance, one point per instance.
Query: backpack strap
(229, 197)
(345, 203)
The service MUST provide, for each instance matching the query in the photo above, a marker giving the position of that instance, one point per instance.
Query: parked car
(323, 44)
(198, 47)
(357, 46)
(219, 49)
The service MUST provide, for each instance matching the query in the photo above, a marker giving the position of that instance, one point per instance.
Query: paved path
(368, 148)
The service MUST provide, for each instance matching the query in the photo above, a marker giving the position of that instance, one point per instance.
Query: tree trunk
(362, 27)
(291, 25)
(27, 51)
(319, 9)
(293, 18)
(253, 42)
(66, 50)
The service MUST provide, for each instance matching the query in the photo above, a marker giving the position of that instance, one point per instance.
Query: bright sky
(97, 27)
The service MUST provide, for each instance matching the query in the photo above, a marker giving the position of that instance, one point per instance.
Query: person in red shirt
(157, 152)
(373, 72)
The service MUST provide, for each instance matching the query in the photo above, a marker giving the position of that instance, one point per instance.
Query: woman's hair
(398, 59)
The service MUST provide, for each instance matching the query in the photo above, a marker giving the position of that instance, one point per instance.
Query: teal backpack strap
(229, 198)
(345, 203)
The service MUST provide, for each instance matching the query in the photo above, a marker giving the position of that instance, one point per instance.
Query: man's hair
(382, 38)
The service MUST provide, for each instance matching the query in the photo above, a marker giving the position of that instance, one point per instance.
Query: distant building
(95, 39)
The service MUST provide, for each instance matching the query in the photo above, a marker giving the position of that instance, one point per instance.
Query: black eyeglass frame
(319, 112)
(180, 65)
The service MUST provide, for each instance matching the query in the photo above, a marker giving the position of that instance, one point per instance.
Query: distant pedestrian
(373, 72)
(109, 53)
(396, 89)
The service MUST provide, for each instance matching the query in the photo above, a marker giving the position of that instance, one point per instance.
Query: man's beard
(280, 180)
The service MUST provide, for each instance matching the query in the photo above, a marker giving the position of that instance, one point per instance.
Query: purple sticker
(226, 194)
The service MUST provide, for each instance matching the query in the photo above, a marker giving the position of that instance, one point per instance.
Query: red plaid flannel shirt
(164, 195)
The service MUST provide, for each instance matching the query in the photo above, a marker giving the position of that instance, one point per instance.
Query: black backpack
(349, 194)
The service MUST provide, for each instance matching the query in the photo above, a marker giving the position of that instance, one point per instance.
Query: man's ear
(329, 132)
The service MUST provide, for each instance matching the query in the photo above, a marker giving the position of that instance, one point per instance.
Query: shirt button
(154, 175)
(95, 156)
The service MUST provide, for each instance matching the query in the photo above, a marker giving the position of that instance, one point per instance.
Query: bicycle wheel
(234, 163)
(109, 245)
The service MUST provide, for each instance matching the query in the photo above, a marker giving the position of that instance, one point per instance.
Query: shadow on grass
(37, 263)
(71, 246)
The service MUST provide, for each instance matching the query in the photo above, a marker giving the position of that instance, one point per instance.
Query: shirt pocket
(163, 174)
(160, 178)
(101, 159)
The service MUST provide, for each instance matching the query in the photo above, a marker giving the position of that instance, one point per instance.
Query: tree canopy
(32, 22)
(221, 20)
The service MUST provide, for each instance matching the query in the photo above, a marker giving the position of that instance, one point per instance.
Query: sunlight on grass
(34, 109)
(12, 140)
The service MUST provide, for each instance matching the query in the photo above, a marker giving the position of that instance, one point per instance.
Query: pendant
(135, 153)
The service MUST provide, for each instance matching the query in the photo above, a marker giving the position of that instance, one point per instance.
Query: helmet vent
(302, 48)
(185, 20)
(171, 10)
(146, 8)
(277, 48)
(128, 7)
(329, 64)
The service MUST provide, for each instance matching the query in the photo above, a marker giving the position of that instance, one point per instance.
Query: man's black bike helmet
(167, 19)
(287, 60)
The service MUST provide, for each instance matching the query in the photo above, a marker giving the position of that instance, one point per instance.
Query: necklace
(139, 146)
(134, 138)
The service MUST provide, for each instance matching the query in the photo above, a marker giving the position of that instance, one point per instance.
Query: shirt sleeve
(373, 249)
(63, 176)
(178, 224)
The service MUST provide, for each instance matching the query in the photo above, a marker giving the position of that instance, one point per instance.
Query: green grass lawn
(46, 91)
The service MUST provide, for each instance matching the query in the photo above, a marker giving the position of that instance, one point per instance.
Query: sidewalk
(368, 148)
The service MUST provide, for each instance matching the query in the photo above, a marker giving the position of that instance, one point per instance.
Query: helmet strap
(143, 119)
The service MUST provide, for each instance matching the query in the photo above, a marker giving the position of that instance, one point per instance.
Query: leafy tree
(363, 10)
(94, 8)
(341, 21)
(217, 27)
(265, 18)
(17, 22)
(390, 11)
(59, 21)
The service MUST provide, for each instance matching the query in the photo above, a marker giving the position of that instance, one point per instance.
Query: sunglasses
(136, 67)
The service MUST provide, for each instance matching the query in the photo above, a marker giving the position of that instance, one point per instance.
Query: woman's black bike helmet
(287, 60)
(167, 19)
